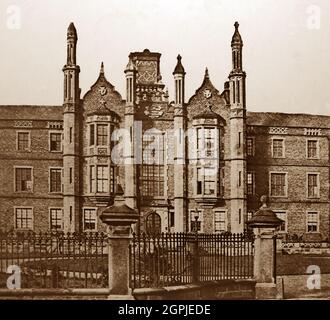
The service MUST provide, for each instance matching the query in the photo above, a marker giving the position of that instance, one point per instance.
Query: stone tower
(180, 186)
(237, 131)
(71, 174)
(130, 161)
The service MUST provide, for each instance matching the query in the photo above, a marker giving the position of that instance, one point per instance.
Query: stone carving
(154, 111)
(207, 93)
(102, 159)
(178, 112)
(278, 130)
(102, 151)
(54, 125)
(23, 124)
(312, 132)
(103, 90)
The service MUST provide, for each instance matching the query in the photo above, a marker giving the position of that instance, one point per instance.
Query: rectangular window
(206, 139)
(70, 177)
(209, 181)
(313, 185)
(23, 179)
(248, 216)
(92, 179)
(55, 180)
(172, 219)
(89, 219)
(70, 135)
(91, 134)
(206, 181)
(239, 139)
(102, 134)
(278, 148)
(209, 142)
(23, 141)
(278, 185)
(24, 218)
(55, 141)
(56, 219)
(193, 224)
(312, 222)
(283, 216)
(102, 179)
(250, 147)
(250, 183)
(312, 149)
(239, 178)
(199, 180)
(220, 221)
(153, 167)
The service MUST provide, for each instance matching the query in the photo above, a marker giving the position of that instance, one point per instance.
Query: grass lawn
(293, 264)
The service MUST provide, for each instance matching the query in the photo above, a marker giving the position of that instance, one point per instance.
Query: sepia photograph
(165, 150)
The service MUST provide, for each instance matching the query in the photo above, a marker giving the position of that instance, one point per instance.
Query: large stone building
(205, 156)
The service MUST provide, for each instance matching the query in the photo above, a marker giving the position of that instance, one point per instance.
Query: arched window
(153, 224)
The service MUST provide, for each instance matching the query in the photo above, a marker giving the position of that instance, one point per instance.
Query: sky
(286, 52)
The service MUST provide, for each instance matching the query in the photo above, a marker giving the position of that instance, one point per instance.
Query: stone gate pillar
(119, 220)
(264, 223)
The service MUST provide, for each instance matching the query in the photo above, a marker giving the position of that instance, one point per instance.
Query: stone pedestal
(119, 220)
(264, 224)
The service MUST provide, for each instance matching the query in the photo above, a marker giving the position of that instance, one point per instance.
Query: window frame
(318, 221)
(215, 180)
(201, 219)
(285, 221)
(57, 132)
(103, 181)
(253, 146)
(317, 148)
(107, 126)
(96, 218)
(225, 221)
(253, 182)
(15, 218)
(50, 218)
(50, 180)
(283, 147)
(32, 179)
(318, 185)
(29, 140)
(285, 187)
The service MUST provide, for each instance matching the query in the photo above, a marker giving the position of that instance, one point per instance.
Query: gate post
(119, 220)
(264, 223)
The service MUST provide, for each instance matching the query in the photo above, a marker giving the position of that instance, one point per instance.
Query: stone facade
(216, 157)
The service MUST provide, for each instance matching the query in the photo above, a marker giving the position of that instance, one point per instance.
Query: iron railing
(158, 260)
(55, 260)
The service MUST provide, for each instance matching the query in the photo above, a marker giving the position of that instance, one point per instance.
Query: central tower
(237, 135)
(71, 174)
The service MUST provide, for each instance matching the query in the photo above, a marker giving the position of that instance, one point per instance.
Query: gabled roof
(287, 119)
(102, 79)
(26, 112)
(206, 83)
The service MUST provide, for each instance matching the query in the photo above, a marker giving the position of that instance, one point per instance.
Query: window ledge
(206, 200)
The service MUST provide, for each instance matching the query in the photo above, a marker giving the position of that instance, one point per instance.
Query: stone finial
(206, 75)
(264, 201)
(102, 68)
(72, 32)
(264, 217)
(237, 39)
(179, 69)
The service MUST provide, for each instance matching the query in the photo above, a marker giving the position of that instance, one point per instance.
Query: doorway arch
(154, 223)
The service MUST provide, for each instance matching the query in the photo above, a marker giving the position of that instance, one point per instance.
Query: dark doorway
(153, 224)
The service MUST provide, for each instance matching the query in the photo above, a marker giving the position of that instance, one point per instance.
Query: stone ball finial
(264, 200)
